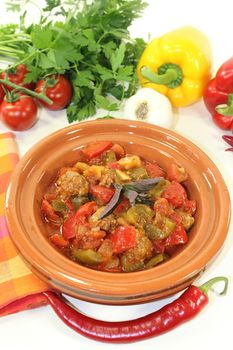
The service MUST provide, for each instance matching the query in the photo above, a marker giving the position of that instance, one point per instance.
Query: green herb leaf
(117, 58)
(103, 102)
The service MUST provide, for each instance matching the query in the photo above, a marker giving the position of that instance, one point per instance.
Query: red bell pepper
(123, 238)
(97, 148)
(79, 218)
(218, 96)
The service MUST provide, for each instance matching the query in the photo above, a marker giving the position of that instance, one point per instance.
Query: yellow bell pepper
(178, 65)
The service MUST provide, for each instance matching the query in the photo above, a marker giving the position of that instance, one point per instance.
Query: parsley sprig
(90, 43)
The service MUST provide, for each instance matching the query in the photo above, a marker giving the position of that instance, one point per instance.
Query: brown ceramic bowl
(36, 171)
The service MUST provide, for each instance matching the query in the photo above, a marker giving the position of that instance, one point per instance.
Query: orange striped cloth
(19, 288)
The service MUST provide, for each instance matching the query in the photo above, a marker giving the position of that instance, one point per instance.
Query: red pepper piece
(102, 193)
(86, 209)
(79, 218)
(122, 206)
(123, 238)
(69, 227)
(95, 149)
(58, 240)
(48, 211)
(218, 96)
(187, 306)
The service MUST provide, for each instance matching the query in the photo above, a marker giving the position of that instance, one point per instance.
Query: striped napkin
(19, 288)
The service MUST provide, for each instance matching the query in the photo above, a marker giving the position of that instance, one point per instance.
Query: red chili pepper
(229, 140)
(190, 303)
(218, 96)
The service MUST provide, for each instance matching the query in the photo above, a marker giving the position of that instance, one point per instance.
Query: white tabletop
(40, 328)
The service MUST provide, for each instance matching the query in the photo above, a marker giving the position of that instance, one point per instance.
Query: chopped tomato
(118, 150)
(176, 173)
(123, 238)
(49, 212)
(122, 206)
(69, 205)
(114, 165)
(159, 245)
(175, 217)
(175, 194)
(50, 196)
(190, 206)
(86, 209)
(69, 227)
(153, 169)
(162, 206)
(58, 240)
(102, 193)
(178, 236)
(95, 149)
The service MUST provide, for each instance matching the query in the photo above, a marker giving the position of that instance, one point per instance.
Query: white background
(40, 328)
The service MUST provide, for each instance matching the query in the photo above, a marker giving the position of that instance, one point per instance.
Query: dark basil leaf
(142, 185)
(131, 195)
(113, 202)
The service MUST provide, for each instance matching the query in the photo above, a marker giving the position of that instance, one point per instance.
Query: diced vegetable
(158, 189)
(139, 215)
(102, 194)
(109, 157)
(123, 238)
(122, 176)
(59, 206)
(87, 256)
(157, 259)
(137, 173)
(78, 201)
(176, 173)
(175, 194)
(48, 211)
(131, 267)
(58, 240)
(86, 210)
(96, 149)
(130, 162)
(69, 227)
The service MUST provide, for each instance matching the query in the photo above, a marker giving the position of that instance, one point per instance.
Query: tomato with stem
(58, 89)
(18, 113)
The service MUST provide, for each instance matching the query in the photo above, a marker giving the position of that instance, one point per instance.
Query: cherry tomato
(60, 93)
(2, 94)
(17, 77)
(20, 114)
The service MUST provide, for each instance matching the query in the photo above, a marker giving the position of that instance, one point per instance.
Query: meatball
(72, 183)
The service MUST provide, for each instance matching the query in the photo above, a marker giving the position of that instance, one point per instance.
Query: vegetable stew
(118, 212)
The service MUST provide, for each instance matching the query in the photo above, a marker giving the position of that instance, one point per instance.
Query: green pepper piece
(87, 256)
(157, 259)
(109, 157)
(128, 266)
(139, 215)
(155, 232)
(158, 189)
(138, 173)
(59, 206)
(78, 201)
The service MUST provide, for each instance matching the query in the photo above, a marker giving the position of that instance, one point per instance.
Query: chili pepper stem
(207, 285)
(41, 97)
